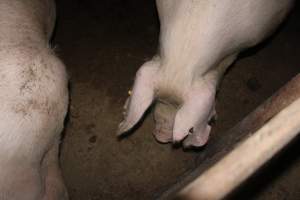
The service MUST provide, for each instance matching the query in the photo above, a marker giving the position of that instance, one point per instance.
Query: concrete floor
(103, 43)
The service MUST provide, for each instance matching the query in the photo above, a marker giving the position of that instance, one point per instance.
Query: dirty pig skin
(198, 41)
(33, 102)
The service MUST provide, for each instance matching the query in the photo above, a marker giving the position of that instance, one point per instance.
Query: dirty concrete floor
(103, 43)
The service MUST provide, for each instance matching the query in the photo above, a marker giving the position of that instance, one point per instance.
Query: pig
(33, 102)
(199, 40)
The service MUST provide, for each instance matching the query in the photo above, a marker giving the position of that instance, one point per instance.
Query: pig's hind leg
(55, 188)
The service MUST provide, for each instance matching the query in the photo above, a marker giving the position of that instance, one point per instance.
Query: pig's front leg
(189, 120)
(211, 80)
(142, 95)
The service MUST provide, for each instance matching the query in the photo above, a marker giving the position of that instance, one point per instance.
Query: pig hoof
(178, 140)
(123, 128)
(197, 139)
(163, 136)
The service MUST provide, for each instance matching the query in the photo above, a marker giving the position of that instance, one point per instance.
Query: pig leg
(55, 188)
(197, 138)
(34, 101)
(198, 41)
(142, 95)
